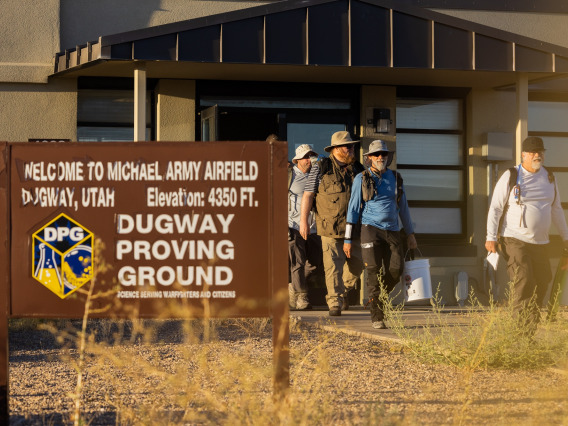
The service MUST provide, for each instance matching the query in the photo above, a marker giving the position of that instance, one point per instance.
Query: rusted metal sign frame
(277, 267)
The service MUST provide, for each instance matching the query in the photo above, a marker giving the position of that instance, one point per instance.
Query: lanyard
(517, 187)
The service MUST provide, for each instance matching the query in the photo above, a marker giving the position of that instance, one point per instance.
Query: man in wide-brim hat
(330, 184)
(377, 201)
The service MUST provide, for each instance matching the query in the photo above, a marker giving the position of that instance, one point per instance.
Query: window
(105, 111)
(430, 156)
(547, 120)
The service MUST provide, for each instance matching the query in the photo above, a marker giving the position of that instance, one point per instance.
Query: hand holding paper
(493, 260)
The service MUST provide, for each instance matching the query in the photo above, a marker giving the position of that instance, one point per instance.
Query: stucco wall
(176, 110)
(38, 111)
(29, 37)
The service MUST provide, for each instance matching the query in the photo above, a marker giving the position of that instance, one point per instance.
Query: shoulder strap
(512, 179)
(552, 180)
(399, 189)
(511, 185)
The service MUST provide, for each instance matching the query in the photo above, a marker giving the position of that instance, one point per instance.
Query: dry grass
(219, 372)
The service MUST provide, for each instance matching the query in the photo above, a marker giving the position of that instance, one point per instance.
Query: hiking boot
(335, 312)
(291, 297)
(302, 302)
(380, 325)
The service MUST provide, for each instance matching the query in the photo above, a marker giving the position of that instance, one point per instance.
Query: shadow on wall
(86, 20)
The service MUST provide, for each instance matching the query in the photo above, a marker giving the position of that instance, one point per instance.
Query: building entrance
(294, 112)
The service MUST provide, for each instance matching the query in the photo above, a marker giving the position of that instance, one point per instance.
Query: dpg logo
(62, 255)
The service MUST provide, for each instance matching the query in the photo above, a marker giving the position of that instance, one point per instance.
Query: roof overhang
(343, 41)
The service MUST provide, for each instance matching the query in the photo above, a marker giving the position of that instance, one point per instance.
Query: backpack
(368, 186)
(513, 174)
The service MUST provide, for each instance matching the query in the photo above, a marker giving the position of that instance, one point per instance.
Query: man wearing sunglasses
(378, 200)
(331, 179)
(525, 202)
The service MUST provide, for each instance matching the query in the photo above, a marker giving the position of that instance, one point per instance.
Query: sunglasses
(379, 154)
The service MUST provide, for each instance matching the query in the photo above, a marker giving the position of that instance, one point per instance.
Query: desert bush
(491, 336)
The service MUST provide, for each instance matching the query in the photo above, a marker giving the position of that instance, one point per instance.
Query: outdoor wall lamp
(381, 120)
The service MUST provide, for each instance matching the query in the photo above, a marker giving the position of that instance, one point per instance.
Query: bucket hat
(533, 144)
(301, 152)
(377, 146)
(341, 138)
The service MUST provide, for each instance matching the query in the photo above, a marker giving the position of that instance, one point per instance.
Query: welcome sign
(192, 221)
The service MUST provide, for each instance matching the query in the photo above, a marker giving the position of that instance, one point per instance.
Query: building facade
(453, 90)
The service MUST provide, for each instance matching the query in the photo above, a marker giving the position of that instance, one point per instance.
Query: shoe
(291, 297)
(302, 302)
(335, 312)
(379, 325)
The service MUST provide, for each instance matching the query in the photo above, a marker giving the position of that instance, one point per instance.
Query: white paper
(493, 260)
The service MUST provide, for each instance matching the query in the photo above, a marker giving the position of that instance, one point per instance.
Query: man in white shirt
(522, 214)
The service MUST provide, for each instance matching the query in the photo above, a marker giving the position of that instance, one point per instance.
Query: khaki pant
(341, 274)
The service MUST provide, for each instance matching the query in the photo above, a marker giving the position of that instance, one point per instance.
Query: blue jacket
(382, 210)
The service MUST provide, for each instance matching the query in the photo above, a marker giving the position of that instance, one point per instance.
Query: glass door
(210, 123)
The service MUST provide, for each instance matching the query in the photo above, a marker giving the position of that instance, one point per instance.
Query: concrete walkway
(357, 320)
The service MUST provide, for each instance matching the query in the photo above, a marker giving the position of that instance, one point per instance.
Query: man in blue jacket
(378, 199)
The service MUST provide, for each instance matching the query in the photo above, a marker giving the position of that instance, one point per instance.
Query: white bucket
(416, 280)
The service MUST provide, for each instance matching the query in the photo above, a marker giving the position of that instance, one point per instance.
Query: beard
(536, 164)
(380, 165)
(344, 158)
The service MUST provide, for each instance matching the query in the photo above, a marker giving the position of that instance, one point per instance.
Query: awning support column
(522, 92)
(140, 102)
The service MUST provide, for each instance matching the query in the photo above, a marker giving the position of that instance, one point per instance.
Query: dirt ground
(335, 378)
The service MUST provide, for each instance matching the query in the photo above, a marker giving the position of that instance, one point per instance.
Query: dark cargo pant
(304, 258)
(382, 253)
